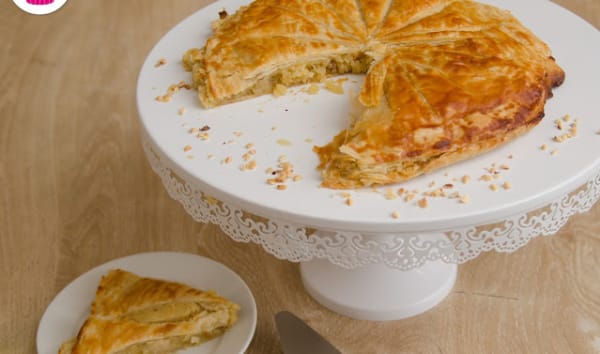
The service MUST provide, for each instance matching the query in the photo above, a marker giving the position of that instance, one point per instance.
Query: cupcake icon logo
(40, 2)
(39, 7)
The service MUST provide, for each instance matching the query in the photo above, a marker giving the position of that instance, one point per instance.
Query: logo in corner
(39, 7)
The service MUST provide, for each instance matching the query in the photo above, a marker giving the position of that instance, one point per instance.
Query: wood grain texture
(77, 192)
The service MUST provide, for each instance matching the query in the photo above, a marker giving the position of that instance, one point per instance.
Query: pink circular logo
(40, 2)
(39, 7)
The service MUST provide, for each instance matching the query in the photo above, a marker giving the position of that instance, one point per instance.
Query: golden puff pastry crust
(132, 314)
(445, 80)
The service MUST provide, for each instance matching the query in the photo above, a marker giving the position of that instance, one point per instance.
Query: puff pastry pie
(445, 80)
(131, 314)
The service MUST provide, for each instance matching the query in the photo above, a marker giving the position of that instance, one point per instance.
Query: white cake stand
(357, 259)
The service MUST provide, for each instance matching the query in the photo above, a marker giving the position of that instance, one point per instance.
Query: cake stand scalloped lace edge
(298, 243)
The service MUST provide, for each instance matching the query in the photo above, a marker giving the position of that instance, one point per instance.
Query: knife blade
(297, 337)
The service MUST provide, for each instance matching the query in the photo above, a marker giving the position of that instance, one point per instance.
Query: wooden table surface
(77, 191)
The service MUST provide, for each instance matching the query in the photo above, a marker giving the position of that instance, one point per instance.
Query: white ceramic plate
(302, 120)
(66, 313)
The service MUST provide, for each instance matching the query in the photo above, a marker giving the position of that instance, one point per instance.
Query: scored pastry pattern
(300, 243)
(134, 314)
(445, 80)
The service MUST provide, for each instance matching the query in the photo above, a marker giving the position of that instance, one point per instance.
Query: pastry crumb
(227, 160)
(347, 198)
(284, 142)
(313, 89)
(572, 132)
(279, 90)
(544, 147)
(559, 124)
(464, 199)
(187, 148)
(251, 165)
(492, 169)
(395, 214)
(172, 90)
(506, 185)
(486, 178)
(284, 173)
(160, 62)
(281, 187)
(247, 157)
(493, 187)
(435, 193)
(465, 179)
(181, 111)
(560, 138)
(422, 203)
(554, 153)
(335, 86)
(389, 194)
(349, 201)
(573, 129)
(203, 135)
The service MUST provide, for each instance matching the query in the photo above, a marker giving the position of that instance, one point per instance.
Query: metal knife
(299, 338)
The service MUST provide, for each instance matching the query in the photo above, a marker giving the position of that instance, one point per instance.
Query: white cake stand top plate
(528, 176)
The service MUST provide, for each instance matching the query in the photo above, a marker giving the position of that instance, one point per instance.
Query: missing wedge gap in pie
(445, 80)
(131, 314)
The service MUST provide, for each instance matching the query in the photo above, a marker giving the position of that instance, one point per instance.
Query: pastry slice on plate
(132, 314)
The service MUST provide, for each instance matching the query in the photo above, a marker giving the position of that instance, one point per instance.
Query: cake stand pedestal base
(377, 292)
